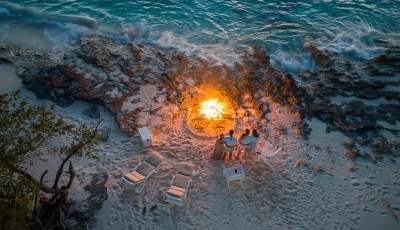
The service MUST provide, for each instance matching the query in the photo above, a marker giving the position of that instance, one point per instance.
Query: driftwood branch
(41, 178)
(42, 186)
(60, 169)
(23, 173)
(390, 208)
(37, 193)
(71, 172)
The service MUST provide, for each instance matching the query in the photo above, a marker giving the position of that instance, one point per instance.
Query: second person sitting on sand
(219, 148)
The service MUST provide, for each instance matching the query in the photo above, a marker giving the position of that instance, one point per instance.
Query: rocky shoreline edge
(101, 72)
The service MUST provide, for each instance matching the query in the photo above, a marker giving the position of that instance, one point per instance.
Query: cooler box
(145, 136)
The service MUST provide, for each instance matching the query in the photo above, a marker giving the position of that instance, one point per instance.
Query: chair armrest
(187, 187)
(136, 167)
(158, 167)
(172, 181)
(275, 154)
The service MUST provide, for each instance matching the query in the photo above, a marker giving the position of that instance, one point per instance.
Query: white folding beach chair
(137, 178)
(234, 173)
(269, 153)
(180, 184)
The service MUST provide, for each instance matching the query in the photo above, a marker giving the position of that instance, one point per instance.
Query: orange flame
(212, 109)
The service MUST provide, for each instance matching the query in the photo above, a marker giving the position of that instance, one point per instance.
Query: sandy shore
(292, 197)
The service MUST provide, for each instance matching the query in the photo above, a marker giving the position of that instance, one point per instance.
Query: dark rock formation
(98, 194)
(98, 70)
(387, 64)
(104, 134)
(94, 112)
(338, 77)
(302, 129)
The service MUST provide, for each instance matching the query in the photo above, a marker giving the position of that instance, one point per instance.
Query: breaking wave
(42, 31)
(356, 45)
(209, 33)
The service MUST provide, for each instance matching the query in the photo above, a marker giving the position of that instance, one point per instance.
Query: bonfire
(210, 115)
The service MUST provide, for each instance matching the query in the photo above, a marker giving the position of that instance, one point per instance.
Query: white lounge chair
(180, 184)
(137, 178)
(269, 153)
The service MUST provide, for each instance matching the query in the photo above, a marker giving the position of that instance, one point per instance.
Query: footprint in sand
(114, 218)
(130, 226)
(384, 193)
(365, 209)
(355, 220)
(348, 205)
(355, 183)
(369, 183)
(396, 209)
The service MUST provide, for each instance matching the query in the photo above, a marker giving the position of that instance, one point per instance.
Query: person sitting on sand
(255, 137)
(219, 148)
(244, 143)
(230, 145)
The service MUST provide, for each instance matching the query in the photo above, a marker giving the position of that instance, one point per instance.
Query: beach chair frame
(138, 186)
(268, 154)
(178, 200)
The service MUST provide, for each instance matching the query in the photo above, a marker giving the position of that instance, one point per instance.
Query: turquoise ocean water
(218, 30)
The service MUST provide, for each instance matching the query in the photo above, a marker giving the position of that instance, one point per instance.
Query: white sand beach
(321, 194)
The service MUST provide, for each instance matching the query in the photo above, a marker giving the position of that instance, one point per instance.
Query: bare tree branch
(74, 150)
(23, 173)
(71, 172)
(37, 193)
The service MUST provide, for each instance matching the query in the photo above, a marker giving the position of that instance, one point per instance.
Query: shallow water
(214, 29)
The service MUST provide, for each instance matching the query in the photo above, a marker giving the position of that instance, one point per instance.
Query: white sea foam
(49, 32)
(292, 62)
(215, 53)
(357, 45)
(42, 31)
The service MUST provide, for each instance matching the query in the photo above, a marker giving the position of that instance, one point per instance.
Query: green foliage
(26, 132)
(15, 200)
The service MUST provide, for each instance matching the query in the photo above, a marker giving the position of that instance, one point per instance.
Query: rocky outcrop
(98, 194)
(321, 58)
(387, 64)
(100, 71)
(93, 112)
(355, 118)
(302, 129)
(336, 77)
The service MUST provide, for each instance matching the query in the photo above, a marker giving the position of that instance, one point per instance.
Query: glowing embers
(212, 109)
(210, 115)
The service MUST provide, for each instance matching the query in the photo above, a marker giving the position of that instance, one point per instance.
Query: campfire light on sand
(212, 109)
